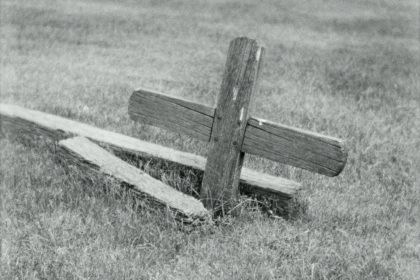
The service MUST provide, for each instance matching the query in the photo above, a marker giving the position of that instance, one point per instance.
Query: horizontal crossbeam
(16, 119)
(300, 148)
(175, 114)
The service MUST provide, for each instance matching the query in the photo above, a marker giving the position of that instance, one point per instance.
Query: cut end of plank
(252, 43)
(246, 40)
(278, 186)
(86, 153)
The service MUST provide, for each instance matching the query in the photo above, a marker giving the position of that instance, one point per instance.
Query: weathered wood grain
(19, 120)
(293, 146)
(219, 189)
(304, 149)
(171, 113)
(84, 153)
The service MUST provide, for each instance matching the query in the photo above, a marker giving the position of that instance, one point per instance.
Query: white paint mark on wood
(241, 116)
(257, 56)
(235, 93)
(261, 121)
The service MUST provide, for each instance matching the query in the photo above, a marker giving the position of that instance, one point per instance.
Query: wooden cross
(232, 133)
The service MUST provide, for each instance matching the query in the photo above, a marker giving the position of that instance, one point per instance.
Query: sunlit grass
(349, 69)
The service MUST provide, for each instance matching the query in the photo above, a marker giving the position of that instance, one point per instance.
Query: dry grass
(349, 69)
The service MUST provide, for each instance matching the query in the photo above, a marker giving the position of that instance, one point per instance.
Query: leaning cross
(232, 133)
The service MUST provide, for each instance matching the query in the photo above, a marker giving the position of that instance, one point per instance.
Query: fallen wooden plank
(85, 153)
(300, 148)
(311, 151)
(253, 182)
(22, 120)
(174, 114)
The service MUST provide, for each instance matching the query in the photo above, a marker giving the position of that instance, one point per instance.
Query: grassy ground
(349, 69)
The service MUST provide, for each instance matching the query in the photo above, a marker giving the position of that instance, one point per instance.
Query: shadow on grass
(188, 181)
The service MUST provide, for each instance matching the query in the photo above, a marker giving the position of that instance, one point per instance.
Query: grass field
(349, 69)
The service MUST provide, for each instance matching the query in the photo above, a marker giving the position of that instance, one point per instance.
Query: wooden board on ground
(297, 147)
(21, 120)
(85, 153)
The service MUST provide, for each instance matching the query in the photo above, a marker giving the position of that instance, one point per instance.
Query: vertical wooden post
(219, 189)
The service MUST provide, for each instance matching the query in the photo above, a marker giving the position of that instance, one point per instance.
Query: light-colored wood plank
(171, 113)
(86, 154)
(19, 120)
(304, 149)
(254, 182)
(219, 189)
